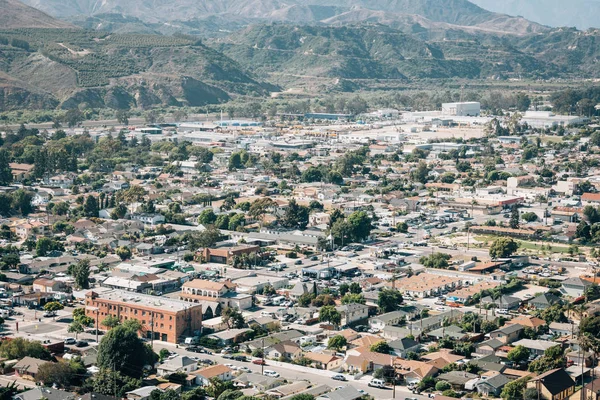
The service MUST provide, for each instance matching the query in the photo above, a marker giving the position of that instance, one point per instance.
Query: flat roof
(144, 300)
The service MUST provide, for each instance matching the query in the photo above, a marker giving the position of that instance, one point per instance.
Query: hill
(17, 15)
(375, 52)
(52, 67)
(582, 14)
(210, 17)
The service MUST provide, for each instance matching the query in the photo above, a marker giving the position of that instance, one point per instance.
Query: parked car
(227, 356)
(81, 343)
(338, 377)
(240, 358)
(70, 340)
(270, 373)
(378, 383)
(260, 361)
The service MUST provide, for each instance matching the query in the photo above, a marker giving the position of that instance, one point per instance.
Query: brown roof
(590, 197)
(208, 285)
(320, 357)
(526, 321)
(213, 372)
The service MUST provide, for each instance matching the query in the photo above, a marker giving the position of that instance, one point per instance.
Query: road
(297, 373)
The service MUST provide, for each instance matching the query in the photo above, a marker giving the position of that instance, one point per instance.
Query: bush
(442, 386)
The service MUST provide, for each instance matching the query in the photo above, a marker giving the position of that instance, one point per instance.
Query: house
(575, 357)
(344, 393)
(544, 301)
(555, 384)
(503, 302)
(527, 321)
(413, 371)
(575, 286)
(401, 347)
(178, 364)
(288, 390)
(219, 371)
(452, 332)
(152, 219)
(492, 387)
(44, 285)
(393, 318)
(591, 391)
(443, 354)
(457, 379)
(27, 367)
(287, 350)
(352, 313)
(21, 171)
(488, 347)
(258, 381)
(507, 334)
(563, 329)
(324, 361)
(142, 393)
(537, 347)
(199, 290)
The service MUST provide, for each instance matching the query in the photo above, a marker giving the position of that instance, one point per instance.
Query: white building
(464, 109)
(547, 119)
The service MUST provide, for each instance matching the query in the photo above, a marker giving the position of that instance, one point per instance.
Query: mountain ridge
(18, 15)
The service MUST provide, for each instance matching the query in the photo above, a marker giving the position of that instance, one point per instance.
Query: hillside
(582, 14)
(17, 15)
(69, 67)
(287, 55)
(212, 17)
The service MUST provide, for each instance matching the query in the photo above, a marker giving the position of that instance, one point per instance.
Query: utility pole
(152, 328)
(262, 364)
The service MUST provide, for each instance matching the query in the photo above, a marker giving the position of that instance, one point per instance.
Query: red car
(260, 361)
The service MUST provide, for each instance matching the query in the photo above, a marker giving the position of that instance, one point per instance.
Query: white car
(244, 369)
(70, 340)
(233, 367)
(270, 373)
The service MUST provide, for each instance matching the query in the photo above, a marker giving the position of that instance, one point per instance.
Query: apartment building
(168, 319)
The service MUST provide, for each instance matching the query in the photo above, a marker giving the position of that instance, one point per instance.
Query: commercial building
(225, 253)
(464, 109)
(168, 319)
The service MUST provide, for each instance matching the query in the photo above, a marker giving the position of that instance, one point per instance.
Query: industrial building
(463, 109)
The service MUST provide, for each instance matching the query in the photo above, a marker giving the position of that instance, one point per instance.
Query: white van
(378, 383)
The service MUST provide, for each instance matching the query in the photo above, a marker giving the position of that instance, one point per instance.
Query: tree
(389, 300)
(43, 246)
(592, 214)
(305, 299)
(207, 217)
(442, 385)
(6, 176)
(361, 225)
(330, 314)
(205, 239)
(421, 173)
(123, 252)
(514, 390)
(529, 217)
(518, 354)
(381, 347)
(76, 327)
(53, 306)
(402, 227)
(350, 298)
(111, 382)
(514, 218)
(122, 350)
(119, 212)
(503, 247)
(217, 387)
(530, 394)
(295, 216)
(81, 273)
(110, 322)
(122, 117)
(337, 342)
(355, 288)
(59, 373)
(436, 260)
(233, 318)
(17, 348)
(343, 289)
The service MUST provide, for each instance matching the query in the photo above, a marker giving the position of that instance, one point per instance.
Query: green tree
(442, 385)
(76, 327)
(6, 176)
(436, 260)
(421, 173)
(21, 201)
(217, 387)
(81, 273)
(343, 289)
(514, 218)
(330, 314)
(59, 373)
(518, 354)
(110, 382)
(233, 318)
(355, 288)
(361, 225)
(207, 217)
(389, 300)
(110, 321)
(530, 394)
(119, 212)
(529, 217)
(503, 247)
(381, 347)
(350, 298)
(514, 390)
(122, 350)
(53, 306)
(17, 348)
(295, 216)
(90, 207)
(402, 227)
(123, 252)
(43, 246)
(337, 342)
